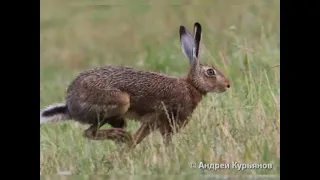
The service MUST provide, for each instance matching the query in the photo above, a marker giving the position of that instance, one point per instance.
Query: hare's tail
(54, 113)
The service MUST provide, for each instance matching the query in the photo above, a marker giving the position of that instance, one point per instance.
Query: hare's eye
(211, 72)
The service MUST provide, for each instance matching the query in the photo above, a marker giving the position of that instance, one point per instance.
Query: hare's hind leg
(117, 122)
(115, 134)
(116, 106)
(120, 135)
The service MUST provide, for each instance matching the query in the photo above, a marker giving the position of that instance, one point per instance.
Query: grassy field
(242, 37)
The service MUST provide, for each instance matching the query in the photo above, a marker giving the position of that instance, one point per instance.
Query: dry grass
(242, 37)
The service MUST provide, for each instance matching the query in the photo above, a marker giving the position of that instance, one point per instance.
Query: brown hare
(113, 94)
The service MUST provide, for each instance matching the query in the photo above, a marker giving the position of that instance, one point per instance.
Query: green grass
(241, 37)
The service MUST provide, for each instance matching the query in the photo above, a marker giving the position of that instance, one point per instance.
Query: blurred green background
(241, 37)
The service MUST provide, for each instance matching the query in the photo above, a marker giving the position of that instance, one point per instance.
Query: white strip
(51, 118)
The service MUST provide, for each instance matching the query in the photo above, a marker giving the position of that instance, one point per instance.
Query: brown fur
(152, 98)
(114, 94)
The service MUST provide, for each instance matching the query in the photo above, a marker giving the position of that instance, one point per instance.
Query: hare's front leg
(149, 123)
(166, 133)
(168, 128)
(144, 130)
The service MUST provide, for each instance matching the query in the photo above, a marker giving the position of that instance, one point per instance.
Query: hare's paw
(120, 135)
(114, 134)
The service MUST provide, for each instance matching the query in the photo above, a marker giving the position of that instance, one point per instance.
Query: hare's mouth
(221, 90)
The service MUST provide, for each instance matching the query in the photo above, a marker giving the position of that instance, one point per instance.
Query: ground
(241, 37)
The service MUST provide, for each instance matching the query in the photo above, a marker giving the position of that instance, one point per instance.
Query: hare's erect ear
(197, 30)
(188, 45)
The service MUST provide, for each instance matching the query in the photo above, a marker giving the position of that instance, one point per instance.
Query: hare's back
(147, 91)
(133, 81)
(141, 82)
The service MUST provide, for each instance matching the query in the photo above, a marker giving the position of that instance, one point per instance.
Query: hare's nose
(228, 83)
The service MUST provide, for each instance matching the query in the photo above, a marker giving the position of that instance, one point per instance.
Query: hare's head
(204, 77)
